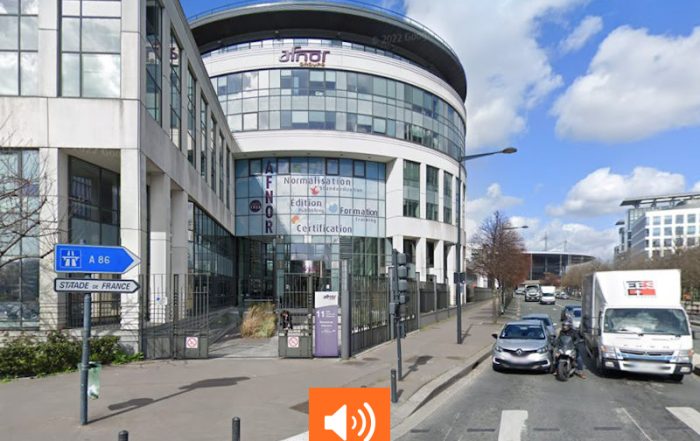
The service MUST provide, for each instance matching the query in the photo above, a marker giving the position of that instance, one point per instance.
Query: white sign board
(325, 298)
(95, 285)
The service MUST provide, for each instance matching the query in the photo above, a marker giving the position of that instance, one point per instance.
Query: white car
(547, 298)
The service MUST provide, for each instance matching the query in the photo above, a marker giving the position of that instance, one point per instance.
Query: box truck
(633, 321)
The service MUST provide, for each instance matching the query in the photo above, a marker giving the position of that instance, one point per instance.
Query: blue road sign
(93, 259)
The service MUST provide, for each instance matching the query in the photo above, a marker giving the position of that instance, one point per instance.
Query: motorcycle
(565, 358)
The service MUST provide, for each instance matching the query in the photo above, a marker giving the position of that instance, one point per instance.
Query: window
(679, 241)
(657, 220)
(680, 218)
(657, 232)
(656, 243)
(431, 193)
(332, 167)
(19, 61)
(668, 220)
(430, 253)
(692, 241)
(212, 155)
(668, 231)
(191, 117)
(679, 231)
(90, 51)
(447, 198)
(175, 90)
(359, 169)
(692, 230)
(411, 189)
(203, 131)
(668, 242)
(19, 276)
(222, 149)
(691, 218)
(154, 31)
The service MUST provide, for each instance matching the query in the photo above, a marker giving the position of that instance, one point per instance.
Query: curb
(437, 385)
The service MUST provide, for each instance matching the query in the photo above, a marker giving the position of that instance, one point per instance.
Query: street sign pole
(85, 363)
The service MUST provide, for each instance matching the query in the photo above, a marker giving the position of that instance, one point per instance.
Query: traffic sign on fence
(93, 259)
(95, 285)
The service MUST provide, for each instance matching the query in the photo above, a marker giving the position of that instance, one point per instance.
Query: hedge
(25, 356)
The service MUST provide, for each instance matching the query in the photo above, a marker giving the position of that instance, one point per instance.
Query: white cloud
(601, 192)
(588, 27)
(696, 187)
(507, 70)
(481, 208)
(572, 238)
(637, 85)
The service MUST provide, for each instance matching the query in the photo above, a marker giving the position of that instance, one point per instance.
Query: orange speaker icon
(349, 414)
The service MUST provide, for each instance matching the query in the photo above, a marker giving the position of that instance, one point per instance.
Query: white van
(633, 321)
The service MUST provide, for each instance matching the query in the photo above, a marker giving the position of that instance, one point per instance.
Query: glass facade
(154, 58)
(90, 49)
(191, 117)
(94, 219)
(283, 99)
(175, 91)
(19, 61)
(310, 197)
(411, 189)
(203, 131)
(211, 253)
(20, 205)
(447, 198)
(432, 192)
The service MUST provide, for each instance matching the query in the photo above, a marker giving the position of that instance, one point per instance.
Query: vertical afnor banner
(326, 327)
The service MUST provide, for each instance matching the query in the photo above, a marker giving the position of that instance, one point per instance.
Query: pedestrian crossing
(514, 425)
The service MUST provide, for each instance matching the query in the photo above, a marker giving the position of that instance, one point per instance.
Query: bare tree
(575, 274)
(501, 252)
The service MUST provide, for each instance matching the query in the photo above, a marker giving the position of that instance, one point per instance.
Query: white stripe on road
(512, 425)
(688, 415)
(622, 410)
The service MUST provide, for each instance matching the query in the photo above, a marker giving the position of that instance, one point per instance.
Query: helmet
(568, 324)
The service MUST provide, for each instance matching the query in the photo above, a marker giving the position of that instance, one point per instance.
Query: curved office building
(350, 122)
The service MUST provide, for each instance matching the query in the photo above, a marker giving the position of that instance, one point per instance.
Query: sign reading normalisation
(305, 57)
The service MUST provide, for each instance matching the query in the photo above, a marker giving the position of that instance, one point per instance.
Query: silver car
(524, 344)
(546, 321)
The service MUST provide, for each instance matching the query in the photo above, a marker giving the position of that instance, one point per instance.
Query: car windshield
(522, 332)
(646, 321)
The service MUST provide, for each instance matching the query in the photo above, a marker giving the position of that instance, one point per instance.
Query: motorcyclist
(567, 329)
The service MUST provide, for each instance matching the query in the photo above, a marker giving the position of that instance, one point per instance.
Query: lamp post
(458, 259)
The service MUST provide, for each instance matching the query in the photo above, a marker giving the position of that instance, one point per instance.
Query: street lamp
(458, 260)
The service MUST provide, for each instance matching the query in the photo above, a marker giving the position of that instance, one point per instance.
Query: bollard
(123, 436)
(394, 396)
(236, 429)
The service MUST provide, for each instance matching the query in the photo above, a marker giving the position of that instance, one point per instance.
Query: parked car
(547, 298)
(545, 320)
(522, 344)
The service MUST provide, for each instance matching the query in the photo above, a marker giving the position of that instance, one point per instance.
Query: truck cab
(634, 321)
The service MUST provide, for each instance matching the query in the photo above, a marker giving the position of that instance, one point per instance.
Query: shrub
(260, 321)
(25, 356)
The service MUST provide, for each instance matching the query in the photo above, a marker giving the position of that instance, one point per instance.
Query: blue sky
(601, 98)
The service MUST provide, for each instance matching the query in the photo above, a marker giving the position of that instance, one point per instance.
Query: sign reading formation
(95, 285)
(93, 259)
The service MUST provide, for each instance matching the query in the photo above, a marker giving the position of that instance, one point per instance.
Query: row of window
(338, 100)
(690, 230)
(677, 242)
(679, 219)
(411, 192)
(19, 61)
(215, 157)
(311, 166)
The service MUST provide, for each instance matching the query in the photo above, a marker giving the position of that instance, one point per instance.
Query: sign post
(88, 260)
(326, 328)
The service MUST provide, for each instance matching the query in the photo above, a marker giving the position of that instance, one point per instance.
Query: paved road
(491, 406)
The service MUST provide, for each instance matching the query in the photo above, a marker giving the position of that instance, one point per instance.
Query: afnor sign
(305, 57)
(269, 200)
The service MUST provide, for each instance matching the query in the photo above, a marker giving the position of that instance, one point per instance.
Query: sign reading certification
(275, 197)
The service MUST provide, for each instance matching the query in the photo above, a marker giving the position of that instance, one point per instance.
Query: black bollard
(394, 395)
(236, 429)
(123, 436)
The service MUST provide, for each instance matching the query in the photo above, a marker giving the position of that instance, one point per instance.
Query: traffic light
(402, 278)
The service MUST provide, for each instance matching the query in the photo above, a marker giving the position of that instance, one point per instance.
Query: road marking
(624, 411)
(512, 425)
(688, 415)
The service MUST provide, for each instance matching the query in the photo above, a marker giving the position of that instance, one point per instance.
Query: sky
(600, 97)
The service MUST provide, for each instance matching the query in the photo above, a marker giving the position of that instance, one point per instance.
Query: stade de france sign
(305, 57)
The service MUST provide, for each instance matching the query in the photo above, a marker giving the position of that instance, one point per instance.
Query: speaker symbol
(338, 422)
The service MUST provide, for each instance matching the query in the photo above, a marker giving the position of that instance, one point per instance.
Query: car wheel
(496, 367)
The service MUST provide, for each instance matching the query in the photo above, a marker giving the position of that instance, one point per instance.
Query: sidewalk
(196, 399)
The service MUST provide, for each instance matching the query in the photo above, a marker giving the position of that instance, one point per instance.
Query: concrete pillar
(160, 277)
(451, 272)
(47, 45)
(394, 191)
(423, 191)
(421, 261)
(54, 219)
(439, 269)
(133, 212)
(179, 216)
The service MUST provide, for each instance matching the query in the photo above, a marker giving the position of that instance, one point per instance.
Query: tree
(575, 274)
(501, 252)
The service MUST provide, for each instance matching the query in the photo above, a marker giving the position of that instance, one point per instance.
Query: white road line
(512, 425)
(688, 415)
(624, 411)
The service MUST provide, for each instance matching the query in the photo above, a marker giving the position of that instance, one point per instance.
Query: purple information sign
(326, 331)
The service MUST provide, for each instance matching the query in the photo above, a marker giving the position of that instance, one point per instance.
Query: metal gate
(174, 316)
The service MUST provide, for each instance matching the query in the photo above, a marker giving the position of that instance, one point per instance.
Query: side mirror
(494, 335)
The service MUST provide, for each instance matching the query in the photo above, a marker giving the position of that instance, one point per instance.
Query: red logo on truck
(641, 288)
